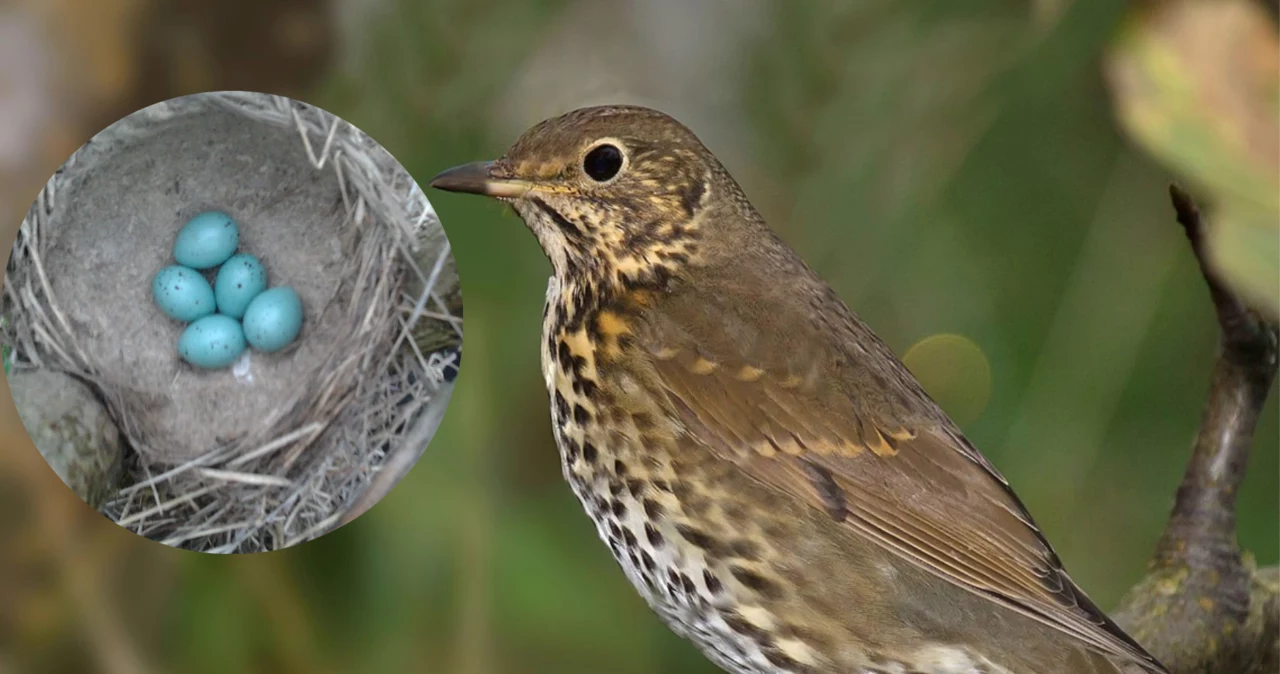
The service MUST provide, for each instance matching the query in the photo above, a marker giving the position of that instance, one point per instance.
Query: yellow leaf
(1197, 84)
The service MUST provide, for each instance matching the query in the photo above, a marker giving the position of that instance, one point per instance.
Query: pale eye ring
(603, 162)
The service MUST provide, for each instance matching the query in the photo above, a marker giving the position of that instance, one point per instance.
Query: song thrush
(770, 477)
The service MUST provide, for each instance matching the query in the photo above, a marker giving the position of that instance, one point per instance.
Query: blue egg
(183, 294)
(212, 342)
(207, 240)
(273, 319)
(240, 280)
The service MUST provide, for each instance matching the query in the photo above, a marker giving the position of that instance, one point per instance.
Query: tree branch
(1203, 608)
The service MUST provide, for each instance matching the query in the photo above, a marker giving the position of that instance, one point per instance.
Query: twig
(1204, 519)
(1201, 608)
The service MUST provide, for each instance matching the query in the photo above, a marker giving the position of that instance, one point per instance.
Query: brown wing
(820, 409)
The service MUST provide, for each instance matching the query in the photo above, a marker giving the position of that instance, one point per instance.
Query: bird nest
(277, 449)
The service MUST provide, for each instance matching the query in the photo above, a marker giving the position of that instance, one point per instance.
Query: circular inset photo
(231, 322)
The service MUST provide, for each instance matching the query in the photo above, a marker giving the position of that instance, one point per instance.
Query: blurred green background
(956, 170)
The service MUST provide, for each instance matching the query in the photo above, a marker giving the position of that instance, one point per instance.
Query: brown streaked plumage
(769, 476)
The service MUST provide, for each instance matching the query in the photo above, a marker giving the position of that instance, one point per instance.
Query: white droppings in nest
(272, 451)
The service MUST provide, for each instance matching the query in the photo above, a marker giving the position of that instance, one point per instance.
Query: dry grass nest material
(264, 456)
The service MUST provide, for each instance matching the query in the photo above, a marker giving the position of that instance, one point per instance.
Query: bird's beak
(479, 178)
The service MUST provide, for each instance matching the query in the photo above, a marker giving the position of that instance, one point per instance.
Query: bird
(770, 477)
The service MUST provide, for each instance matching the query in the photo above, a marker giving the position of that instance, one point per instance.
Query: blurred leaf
(1197, 84)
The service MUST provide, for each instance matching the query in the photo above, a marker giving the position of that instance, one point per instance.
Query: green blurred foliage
(949, 168)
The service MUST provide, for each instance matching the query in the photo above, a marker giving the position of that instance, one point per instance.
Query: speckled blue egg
(207, 240)
(273, 319)
(182, 293)
(212, 342)
(239, 280)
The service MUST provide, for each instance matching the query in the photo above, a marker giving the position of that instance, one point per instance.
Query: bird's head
(614, 194)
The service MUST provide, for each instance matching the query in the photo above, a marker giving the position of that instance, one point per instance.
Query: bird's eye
(603, 162)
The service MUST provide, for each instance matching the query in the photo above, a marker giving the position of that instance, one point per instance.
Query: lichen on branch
(1204, 608)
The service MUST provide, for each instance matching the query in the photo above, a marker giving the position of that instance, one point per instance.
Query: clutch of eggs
(237, 310)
